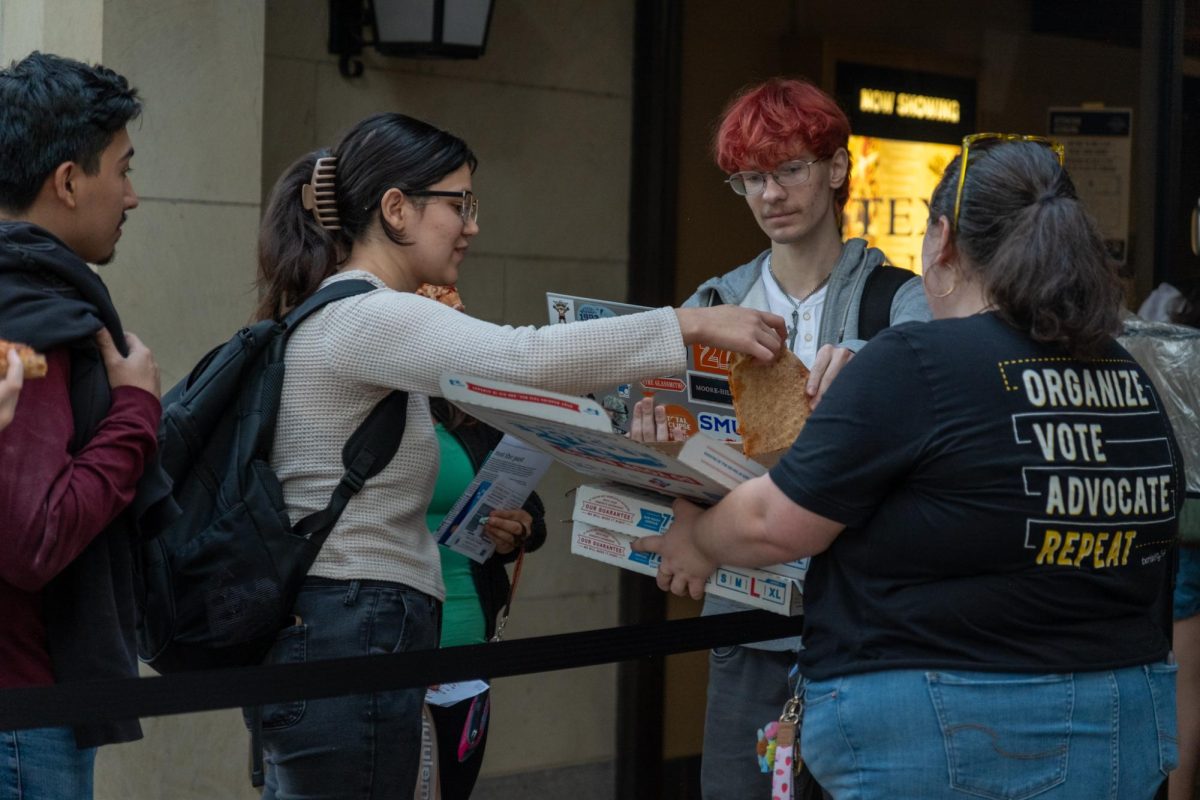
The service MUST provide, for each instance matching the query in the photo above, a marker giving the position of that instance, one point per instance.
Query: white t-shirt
(803, 319)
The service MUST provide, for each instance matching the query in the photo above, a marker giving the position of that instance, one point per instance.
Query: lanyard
(512, 592)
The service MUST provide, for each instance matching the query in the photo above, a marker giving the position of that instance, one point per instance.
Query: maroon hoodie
(52, 504)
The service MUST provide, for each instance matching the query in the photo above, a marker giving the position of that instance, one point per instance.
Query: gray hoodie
(839, 326)
(843, 294)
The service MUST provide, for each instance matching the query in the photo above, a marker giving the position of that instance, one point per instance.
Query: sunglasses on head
(978, 139)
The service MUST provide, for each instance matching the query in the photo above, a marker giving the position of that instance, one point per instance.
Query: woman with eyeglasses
(392, 204)
(990, 501)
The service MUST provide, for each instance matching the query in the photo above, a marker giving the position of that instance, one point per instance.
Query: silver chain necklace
(794, 328)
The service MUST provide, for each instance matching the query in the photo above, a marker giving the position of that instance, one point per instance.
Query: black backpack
(875, 306)
(216, 585)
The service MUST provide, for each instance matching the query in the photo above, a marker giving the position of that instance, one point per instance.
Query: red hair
(771, 122)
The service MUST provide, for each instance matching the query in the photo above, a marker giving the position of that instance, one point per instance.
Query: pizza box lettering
(624, 509)
(750, 587)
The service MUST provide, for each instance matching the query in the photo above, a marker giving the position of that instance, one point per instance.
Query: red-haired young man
(783, 143)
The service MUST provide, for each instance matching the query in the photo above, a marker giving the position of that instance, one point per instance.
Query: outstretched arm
(739, 330)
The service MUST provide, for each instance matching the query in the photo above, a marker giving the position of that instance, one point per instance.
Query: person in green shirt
(475, 593)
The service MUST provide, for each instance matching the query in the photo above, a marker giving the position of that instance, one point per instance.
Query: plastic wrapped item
(1170, 354)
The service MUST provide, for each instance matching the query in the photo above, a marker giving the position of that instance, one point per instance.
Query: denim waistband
(318, 581)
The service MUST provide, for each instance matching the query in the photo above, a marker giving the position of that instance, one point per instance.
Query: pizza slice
(769, 401)
(446, 295)
(33, 361)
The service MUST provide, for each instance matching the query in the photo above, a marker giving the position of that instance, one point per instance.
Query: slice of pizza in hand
(446, 295)
(769, 400)
(33, 361)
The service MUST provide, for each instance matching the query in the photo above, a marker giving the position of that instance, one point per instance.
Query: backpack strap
(368, 450)
(875, 306)
(272, 378)
(372, 445)
(338, 290)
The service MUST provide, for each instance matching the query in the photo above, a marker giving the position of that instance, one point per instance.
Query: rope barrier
(94, 701)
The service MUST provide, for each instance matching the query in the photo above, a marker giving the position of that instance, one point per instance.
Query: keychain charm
(787, 761)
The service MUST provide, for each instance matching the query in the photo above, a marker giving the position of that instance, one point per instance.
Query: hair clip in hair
(319, 196)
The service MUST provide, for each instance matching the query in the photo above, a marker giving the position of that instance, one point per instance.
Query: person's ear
(65, 182)
(839, 168)
(944, 251)
(395, 208)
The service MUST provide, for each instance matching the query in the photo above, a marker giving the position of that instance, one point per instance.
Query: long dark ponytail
(1039, 255)
(382, 151)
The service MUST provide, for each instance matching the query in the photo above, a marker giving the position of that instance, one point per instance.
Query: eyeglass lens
(750, 183)
(470, 208)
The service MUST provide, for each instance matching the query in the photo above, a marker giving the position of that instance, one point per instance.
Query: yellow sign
(909, 106)
(890, 185)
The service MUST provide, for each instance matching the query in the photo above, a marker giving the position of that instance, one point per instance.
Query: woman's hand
(508, 528)
(10, 388)
(684, 568)
(733, 328)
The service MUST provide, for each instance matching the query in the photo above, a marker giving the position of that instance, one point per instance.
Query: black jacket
(49, 298)
(491, 579)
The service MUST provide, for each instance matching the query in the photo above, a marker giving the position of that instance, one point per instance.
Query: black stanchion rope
(76, 703)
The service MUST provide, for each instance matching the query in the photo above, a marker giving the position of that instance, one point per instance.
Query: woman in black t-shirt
(990, 499)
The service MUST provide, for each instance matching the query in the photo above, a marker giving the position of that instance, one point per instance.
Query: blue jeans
(957, 735)
(1187, 583)
(44, 764)
(363, 746)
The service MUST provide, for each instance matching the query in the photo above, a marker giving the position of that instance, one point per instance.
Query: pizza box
(767, 460)
(577, 432)
(624, 509)
(637, 512)
(750, 587)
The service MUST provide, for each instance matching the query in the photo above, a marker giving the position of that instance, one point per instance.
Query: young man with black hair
(82, 437)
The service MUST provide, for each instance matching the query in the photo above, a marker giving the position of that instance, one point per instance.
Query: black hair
(1040, 258)
(54, 110)
(381, 152)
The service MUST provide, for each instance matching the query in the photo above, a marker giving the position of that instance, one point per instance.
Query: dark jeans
(747, 688)
(458, 762)
(363, 747)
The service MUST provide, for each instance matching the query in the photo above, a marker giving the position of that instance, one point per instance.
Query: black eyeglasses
(751, 182)
(468, 209)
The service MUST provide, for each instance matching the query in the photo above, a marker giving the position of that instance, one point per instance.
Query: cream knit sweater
(346, 357)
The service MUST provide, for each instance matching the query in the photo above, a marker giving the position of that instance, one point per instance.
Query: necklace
(794, 328)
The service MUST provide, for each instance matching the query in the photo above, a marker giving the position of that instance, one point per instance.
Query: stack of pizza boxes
(631, 485)
(609, 516)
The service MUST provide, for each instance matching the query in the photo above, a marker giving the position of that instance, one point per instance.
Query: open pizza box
(577, 432)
